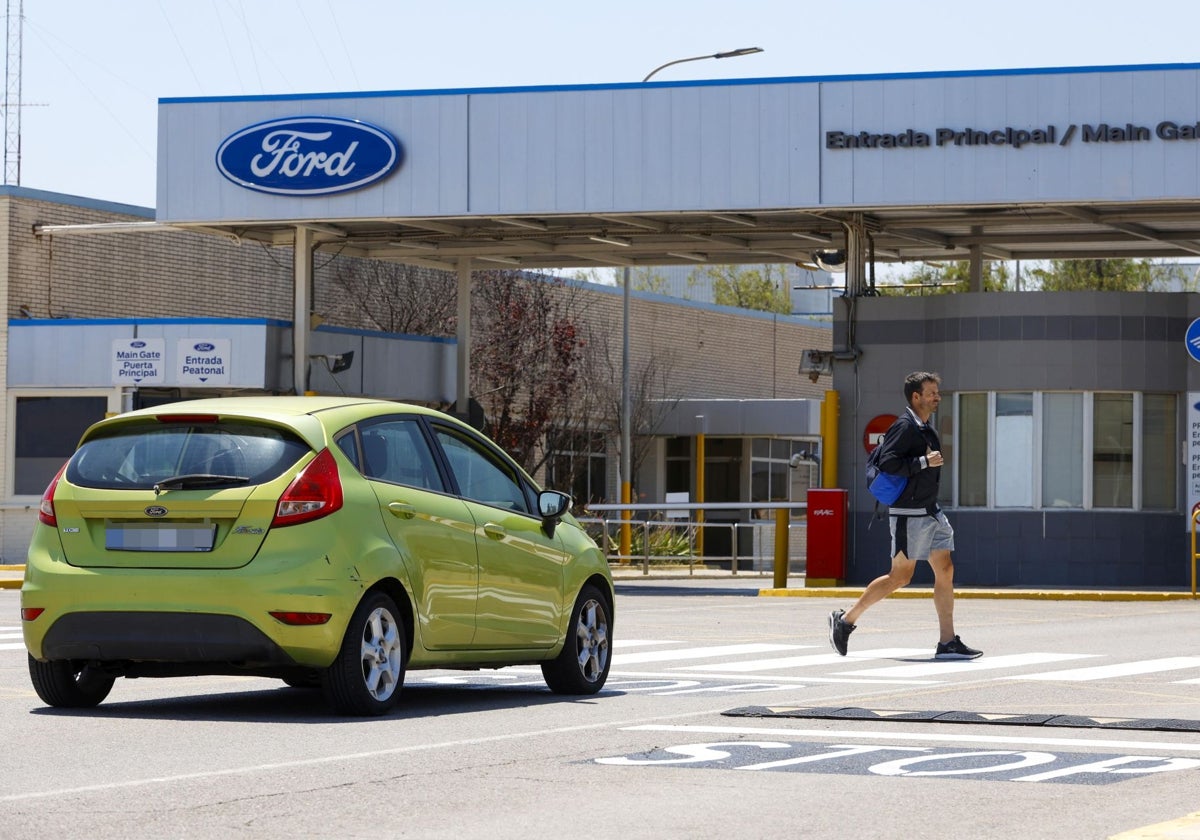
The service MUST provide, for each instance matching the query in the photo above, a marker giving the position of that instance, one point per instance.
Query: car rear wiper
(197, 481)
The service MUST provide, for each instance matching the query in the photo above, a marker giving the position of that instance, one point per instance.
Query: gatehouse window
(1061, 450)
(46, 429)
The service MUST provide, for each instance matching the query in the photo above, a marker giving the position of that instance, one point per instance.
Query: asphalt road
(726, 715)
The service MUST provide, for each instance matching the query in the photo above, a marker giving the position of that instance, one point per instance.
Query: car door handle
(496, 532)
(402, 510)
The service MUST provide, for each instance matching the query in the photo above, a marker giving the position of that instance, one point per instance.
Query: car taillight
(186, 418)
(316, 492)
(46, 508)
(301, 619)
(30, 613)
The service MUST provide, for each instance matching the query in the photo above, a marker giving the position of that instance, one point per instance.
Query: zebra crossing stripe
(948, 667)
(620, 659)
(805, 661)
(1121, 669)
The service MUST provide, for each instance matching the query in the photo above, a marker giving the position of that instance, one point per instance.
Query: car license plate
(159, 537)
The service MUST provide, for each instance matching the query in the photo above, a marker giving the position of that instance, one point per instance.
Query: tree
(1122, 275)
(945, 278)
(647, 280)
(526, 362)
(392, 298)
(1116, 275)
(541, 371)
(763, 288)
(651, 395)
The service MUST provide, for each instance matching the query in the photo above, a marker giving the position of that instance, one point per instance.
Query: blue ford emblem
(203, 347)
(156, 510)
(137, 344)
(308, 156)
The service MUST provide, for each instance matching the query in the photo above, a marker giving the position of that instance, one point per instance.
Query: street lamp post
(626, 542)
(731, 54)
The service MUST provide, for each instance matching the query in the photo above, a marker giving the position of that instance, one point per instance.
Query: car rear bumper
(189, 615)
(161, 637)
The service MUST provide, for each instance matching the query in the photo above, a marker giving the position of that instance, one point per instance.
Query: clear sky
(93, 70)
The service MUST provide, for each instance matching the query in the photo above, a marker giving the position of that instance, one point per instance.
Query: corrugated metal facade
(730, 145)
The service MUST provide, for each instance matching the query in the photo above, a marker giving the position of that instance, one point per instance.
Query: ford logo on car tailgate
(308, 156)
(156, 510)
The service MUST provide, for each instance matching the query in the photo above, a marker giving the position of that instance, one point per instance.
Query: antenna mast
(12, 92)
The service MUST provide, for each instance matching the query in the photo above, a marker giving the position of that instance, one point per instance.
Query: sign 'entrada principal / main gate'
(1049, 135)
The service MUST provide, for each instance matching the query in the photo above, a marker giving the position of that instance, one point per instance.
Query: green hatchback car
(327, 542)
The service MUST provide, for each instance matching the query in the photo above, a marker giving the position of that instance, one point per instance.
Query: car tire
(582, 666)
(366, 678)
(304, 679)
(69, 684)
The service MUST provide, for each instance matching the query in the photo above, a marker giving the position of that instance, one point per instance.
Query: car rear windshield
(209, 454)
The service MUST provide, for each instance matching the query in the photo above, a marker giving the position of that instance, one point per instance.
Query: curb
(996, 594)
(13, 580)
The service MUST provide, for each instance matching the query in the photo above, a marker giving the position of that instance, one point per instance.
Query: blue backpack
(884, 486)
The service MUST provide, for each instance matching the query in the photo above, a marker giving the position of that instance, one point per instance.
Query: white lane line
(17, 646)
(372, 755)
(891, 735)
(798, 681)
(700, 653)
(944, 668)
(631, 643)
(1123, 669)
(805, 661)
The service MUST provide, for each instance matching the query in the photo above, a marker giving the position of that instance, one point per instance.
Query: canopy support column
(975, 264)
(302, 280)
(462, 405)
(856, 255)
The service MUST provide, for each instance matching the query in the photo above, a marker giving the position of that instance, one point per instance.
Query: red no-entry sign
(873, 434)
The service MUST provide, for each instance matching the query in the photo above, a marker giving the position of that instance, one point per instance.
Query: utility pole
(12, 92)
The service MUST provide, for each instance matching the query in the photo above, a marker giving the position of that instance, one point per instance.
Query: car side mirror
(552, 505)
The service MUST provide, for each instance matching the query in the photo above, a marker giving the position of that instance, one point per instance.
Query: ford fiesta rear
(159, 544)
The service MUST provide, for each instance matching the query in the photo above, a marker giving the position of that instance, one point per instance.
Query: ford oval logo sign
(203, 347)
(308, 156)
(156, 510)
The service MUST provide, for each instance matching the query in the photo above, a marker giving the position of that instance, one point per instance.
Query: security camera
(830, 260)
(335, 362)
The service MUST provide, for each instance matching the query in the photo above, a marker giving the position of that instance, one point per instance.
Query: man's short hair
(915, 382)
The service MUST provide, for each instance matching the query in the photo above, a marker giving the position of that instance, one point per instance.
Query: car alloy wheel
(368, 673)
(582, 666)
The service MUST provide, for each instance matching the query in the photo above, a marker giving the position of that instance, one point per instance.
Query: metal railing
(1195, 516)
(673, 536)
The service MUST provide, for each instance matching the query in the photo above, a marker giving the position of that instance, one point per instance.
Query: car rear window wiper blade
(197, 481)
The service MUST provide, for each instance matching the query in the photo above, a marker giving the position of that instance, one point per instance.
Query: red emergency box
(828, 517)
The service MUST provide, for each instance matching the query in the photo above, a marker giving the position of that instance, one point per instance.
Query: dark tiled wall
(1084, 549)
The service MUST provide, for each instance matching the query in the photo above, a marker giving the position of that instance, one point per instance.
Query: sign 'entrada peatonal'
(1017, 138)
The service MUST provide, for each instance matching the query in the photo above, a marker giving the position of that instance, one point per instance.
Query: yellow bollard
(700, 455)
(781, 548)
(625, 543)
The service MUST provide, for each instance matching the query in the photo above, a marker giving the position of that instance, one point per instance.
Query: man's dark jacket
(901, 450)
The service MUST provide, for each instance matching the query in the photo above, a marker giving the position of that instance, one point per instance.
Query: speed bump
(995, 718)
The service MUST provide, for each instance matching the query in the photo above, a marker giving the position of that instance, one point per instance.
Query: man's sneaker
(839, 631)
(955, 649)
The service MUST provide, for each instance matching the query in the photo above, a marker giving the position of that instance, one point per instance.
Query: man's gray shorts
(916, 536)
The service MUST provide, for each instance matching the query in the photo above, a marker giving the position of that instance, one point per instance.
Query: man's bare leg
(943, 592)
(884, 585)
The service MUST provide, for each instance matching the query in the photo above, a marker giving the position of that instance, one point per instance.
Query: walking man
(919, 528)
